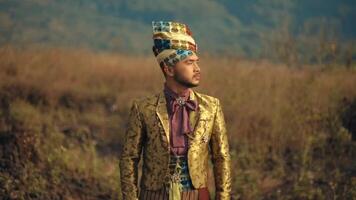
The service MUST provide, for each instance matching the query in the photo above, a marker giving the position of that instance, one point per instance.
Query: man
(176, 129)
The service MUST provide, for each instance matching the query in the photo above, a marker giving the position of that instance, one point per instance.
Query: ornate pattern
(172, 27)
(177, 56)
(172, 36)
(148, 131)
(162, 44)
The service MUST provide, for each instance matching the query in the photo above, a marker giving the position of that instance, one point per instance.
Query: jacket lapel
(162, 113)
(194, 115)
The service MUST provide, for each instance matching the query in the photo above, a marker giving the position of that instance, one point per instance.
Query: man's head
(186, 72)
(175, 50)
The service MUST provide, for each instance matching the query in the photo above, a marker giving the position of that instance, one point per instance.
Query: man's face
(187, 72)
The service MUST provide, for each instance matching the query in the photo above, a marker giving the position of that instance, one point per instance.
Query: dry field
(63, 114)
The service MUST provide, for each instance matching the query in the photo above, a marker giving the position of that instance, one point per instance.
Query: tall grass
(284, 125)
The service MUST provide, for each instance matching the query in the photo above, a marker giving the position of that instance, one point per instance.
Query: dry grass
(278, 118)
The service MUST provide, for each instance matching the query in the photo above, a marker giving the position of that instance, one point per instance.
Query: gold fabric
(148, 132)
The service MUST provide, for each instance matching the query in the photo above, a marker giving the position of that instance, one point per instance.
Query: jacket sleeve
(131, 153)
(221, 156)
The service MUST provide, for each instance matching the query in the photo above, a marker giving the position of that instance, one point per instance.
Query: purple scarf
(179, 118)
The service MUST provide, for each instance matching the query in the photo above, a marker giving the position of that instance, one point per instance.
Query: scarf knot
(179, 107)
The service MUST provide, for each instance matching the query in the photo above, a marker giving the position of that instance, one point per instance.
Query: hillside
(242, 27)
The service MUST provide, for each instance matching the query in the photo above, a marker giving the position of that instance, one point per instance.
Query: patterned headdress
(173, 42)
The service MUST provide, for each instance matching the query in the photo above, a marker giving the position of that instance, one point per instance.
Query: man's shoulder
(146, 99)
(208, 99)
(151, 99)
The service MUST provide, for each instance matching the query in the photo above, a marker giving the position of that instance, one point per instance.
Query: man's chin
(196, 84)
(192, 85)
(189, 85)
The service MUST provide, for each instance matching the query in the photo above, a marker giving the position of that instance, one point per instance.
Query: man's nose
(196, 67)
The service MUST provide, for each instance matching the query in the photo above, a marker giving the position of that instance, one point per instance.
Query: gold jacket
(148, 132)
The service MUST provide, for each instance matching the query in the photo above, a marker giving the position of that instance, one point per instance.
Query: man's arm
(221, 156)
(130, 155)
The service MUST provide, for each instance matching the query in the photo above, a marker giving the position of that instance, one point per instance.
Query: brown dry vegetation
(63, 115)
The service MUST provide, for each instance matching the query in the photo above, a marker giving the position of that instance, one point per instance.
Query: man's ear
(168, 70)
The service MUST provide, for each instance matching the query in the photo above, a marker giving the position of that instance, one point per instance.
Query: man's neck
(178, 89)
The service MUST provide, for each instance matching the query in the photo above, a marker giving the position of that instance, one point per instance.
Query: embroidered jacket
(148, 132)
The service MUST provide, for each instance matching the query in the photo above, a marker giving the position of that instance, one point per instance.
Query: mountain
(233, 27)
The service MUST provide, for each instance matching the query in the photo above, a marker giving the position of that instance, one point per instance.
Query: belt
(184, 177)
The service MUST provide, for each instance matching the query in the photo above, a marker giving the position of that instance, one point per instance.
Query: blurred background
(284, 71)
